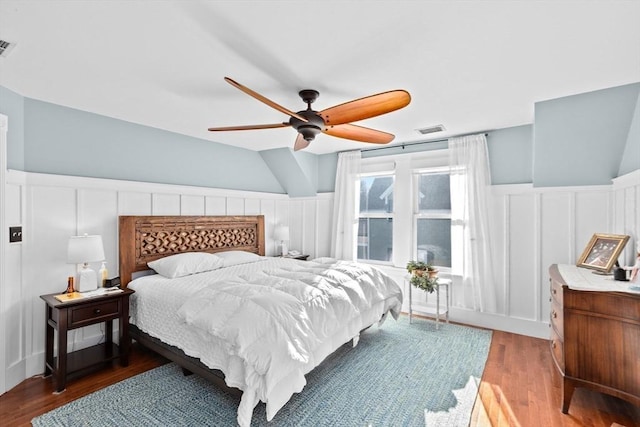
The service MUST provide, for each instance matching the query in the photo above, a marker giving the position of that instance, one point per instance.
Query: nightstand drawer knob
(97, 311)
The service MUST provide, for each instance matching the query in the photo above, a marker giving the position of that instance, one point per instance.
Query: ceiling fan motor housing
(309, 129)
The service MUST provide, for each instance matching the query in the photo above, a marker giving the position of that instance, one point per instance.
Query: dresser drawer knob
(554, 291)
(97, 311)
(554, 314)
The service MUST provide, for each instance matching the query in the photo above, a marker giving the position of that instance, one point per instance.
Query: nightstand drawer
(80, 315)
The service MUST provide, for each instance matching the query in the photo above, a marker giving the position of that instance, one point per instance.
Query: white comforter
(279, 320)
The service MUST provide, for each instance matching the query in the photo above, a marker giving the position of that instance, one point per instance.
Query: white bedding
(264, 324)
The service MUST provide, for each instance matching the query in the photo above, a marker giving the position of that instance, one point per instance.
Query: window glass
(376, 194)
(433, 192)
(375, 225)
(375, 239)
(434, 241)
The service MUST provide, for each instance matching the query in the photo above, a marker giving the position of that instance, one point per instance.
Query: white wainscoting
(51, 208)
(531, 229)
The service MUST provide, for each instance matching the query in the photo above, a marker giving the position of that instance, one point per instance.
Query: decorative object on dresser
(83, 250)
(602, 252)
(595, 334)
(79, 312)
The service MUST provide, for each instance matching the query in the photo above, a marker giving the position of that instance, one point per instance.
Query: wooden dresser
(595, 339)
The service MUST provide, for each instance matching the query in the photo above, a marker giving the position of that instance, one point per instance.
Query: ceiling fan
(334, 121)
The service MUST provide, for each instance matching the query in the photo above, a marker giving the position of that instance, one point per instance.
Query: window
(375, 220)
(404, 210)
(432, 219)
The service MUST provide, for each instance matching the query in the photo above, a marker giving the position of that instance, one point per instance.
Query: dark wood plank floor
(518, 388)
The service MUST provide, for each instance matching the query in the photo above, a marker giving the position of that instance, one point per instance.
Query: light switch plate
(15, 234)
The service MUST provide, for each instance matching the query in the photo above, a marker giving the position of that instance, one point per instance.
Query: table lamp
(282, 233)
(83, 250)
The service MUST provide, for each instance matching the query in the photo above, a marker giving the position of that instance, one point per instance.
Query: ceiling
(470, 66)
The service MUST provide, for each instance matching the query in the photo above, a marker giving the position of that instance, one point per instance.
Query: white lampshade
(281, 233)
(84, 249)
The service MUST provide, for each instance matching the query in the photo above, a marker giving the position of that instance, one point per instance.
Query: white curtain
(470, 187)
(345, 220)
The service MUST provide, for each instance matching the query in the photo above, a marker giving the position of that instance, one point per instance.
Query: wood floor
(518, 388)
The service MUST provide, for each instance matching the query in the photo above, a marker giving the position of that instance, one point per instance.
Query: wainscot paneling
(531, 228)
(51, 208)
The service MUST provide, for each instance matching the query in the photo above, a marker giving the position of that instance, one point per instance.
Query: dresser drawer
(557, 349)
(92, 312)
(557, 318)
(556, 292)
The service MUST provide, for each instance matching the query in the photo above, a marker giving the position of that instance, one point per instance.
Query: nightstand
(300, 257)
(65, 316)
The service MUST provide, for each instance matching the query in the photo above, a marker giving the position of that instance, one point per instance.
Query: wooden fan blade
(267, 101)
(301, 143)
(359, 133)
(250, 127)
(365, 108)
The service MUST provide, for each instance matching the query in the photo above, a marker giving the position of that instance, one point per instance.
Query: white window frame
(435, 214)
(375, 215)
(403, 167)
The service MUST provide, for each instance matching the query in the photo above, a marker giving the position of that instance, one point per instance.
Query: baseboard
(501, 323)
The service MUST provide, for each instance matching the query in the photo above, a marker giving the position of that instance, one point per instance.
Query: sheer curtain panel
(345, 227)
(470, 188)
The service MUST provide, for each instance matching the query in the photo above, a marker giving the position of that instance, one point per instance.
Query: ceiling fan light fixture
(308, 132)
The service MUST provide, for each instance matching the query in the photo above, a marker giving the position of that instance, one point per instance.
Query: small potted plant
(423, 275)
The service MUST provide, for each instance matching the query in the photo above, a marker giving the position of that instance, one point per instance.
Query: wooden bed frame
(146, 238)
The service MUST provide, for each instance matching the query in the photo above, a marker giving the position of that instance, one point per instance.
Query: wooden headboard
(147, 238)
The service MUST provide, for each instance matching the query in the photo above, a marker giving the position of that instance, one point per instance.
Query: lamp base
(285, 251)
(87, 280)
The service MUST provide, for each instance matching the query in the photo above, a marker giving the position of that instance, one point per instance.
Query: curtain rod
(409, 144)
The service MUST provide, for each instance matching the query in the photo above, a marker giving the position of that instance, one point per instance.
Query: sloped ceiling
(471, 66)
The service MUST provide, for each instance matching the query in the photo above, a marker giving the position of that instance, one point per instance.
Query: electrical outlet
(15, 234)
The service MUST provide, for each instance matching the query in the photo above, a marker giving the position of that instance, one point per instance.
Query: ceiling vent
(5, 48)
(431, 129)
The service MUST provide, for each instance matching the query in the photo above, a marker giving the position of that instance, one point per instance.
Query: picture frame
(602, 252)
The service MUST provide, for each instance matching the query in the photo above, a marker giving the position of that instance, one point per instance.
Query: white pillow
(185, 264)
(237, 257)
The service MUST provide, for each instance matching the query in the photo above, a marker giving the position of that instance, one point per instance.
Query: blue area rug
(398, 375)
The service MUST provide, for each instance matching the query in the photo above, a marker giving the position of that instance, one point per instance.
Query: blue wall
(511, 155)
(631, 156)
(12, 106)
(584, 139)
(49, 138)
(580, 139)
(60, 140)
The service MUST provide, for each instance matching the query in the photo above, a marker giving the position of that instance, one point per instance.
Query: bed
(221, 309)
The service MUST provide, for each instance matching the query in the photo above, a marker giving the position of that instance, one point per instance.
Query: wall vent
(431, 129)
(5, 48)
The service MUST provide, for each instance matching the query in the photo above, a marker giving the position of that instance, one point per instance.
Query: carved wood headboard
(146, 238)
